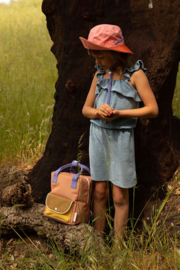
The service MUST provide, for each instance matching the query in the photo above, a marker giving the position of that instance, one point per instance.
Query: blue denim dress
(111, 145)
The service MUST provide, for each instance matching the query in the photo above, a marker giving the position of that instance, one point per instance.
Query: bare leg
(121, 203)
(99, 205)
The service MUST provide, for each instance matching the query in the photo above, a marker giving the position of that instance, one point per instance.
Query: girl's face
(104, 60)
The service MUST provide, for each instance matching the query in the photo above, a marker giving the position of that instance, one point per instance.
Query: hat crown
(105, 35)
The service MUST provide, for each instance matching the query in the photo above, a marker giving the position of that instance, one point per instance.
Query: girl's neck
(115, 75)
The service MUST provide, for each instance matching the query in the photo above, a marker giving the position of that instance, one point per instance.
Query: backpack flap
(58, 207)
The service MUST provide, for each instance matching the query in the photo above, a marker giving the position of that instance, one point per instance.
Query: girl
(112, 105)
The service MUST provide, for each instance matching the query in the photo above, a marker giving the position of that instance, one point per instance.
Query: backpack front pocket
(59, 208)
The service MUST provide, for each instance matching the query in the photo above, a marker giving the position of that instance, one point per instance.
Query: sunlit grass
(27, 78)
(176, 99)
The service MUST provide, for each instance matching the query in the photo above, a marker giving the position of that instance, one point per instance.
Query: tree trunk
(153, 35)
(79, 237)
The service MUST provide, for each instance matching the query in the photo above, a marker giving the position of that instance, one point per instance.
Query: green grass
(152, 248)
(27, 78)
(176, 99)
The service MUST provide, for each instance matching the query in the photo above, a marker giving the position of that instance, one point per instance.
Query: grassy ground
(155, 247)
(27, 78)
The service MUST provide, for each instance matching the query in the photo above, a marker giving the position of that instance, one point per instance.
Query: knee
(121, 200)
(100, 194)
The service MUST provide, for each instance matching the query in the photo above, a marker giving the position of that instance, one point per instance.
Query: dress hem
(131, 186)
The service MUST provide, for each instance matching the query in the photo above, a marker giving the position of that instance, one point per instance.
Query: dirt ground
(14, 250)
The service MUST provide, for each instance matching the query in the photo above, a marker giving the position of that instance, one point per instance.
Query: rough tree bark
(19, 193)
(80, 237)
(153, 35)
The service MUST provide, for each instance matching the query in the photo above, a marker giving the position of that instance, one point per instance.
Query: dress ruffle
(122, 87)
(129, 71)
(101, 71)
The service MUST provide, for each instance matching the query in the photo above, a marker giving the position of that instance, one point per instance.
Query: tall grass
(155, 247)
(176, 99)
(27, 78)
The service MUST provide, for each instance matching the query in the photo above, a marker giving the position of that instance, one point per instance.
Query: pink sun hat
(105, 37)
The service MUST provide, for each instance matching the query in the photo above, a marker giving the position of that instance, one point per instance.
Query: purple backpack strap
(75, 163)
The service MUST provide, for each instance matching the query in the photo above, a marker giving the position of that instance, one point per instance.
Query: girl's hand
(105, 110)
(113, 115)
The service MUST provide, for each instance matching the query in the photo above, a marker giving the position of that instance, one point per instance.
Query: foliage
(176, 99)
(27, 80)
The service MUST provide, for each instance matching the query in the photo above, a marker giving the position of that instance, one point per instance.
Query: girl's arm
(141, 83)
(150, 109)
(88, 110)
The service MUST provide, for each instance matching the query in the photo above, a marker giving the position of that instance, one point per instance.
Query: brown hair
(121, 60)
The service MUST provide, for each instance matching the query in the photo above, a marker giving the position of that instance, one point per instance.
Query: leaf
(12, 258)
(10, 241)
(19, 205)
(177, 191)
(177, 251)
(169, 187)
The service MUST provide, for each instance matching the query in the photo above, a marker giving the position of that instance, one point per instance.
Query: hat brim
(92, 46)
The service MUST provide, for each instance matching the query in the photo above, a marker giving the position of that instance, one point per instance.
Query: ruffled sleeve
(101, 71)
(129, 71)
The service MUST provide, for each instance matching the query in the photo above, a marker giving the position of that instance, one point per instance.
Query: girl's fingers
(103, 112)
(106, 109)
(100, 114)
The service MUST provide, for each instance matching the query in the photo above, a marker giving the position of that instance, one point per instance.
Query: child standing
(112, 105)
